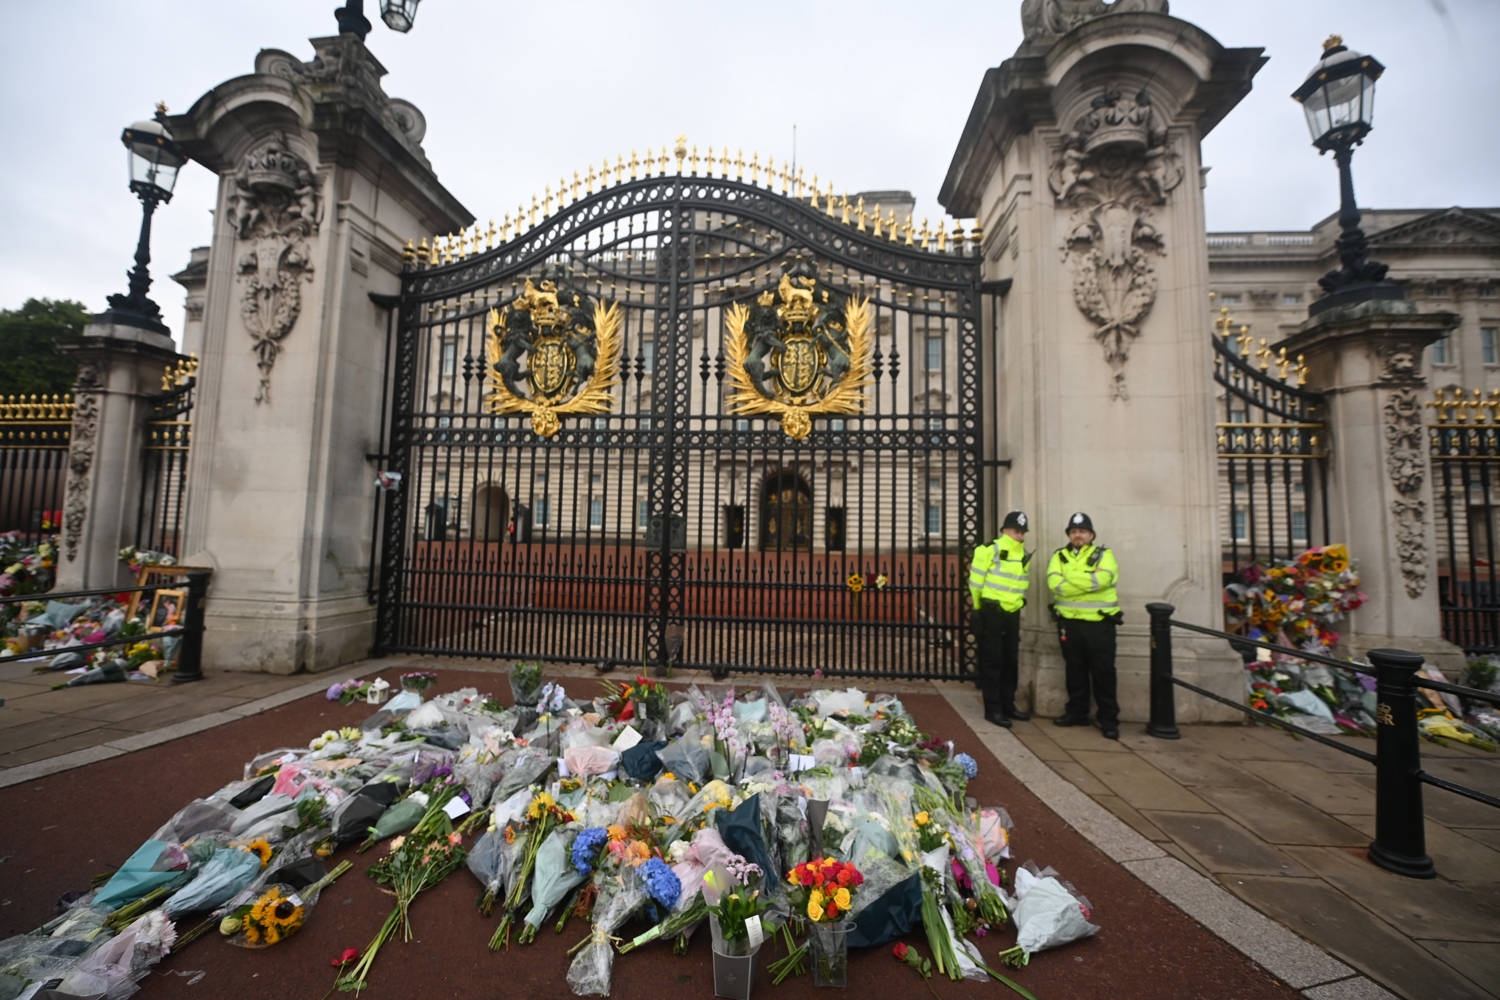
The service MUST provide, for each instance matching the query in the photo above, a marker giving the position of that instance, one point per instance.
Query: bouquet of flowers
(526, 683)
(277, 913)
(26, 567)
(418, 680)
(416, 862)
(733, 897)
(1297, 600)
(1049, 913)
(543, 814)
(621, 890)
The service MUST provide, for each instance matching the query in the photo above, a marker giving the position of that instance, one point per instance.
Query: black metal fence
(34, 436)
(779, 472)
(189, 656)
(1272, 445)
(1464, 443)
(1400, 838)
(164, 455)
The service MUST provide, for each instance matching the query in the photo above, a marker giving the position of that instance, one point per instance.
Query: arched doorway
(786, 513)
(491, 511)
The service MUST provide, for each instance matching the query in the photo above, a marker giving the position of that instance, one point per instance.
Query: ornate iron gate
(1272, 445)
(169, 429)
(688, 419)
(1464, 443)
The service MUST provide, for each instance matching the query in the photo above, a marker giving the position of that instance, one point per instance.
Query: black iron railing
(1400, 839)
(190, 631)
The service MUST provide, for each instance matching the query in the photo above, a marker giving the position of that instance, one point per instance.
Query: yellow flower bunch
(262, 849)
(542, 804)
(273, 917)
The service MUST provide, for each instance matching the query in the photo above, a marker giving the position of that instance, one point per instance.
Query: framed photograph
(154, 574)
(166, 610)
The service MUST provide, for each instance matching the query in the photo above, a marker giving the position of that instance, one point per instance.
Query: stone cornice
(1019, 94)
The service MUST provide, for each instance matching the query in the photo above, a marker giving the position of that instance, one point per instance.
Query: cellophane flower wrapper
(526, 769)
(669, 797)
(400, 817)
(154, 864)
(304, 892)
(554, 875)
(714, 795)
(589, 761)
(116, 967)
(487, 862)
(198, 817)
(1047, 913)
(705, 851)
(226, 873)
(687, 757)
(938, 862)
(621, 893)
(994, 833)
(352, 818)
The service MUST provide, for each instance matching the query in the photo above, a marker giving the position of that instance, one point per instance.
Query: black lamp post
(397, 14)
(1338, 98)
(154, 161)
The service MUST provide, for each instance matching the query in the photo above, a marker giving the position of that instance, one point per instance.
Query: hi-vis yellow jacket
(1083, 587)
(998, 573)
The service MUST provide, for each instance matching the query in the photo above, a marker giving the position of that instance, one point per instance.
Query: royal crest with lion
(552, 350)
(801, 350)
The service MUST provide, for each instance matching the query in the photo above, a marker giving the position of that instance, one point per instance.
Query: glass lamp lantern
(154, 160)
(1338, 96)
(399, 14)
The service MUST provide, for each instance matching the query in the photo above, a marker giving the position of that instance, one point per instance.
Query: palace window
(934, 513)
(1299, 515)
(1487, 348)
(449, 357)
(596, 512)
(1241, 526)
(1442, 351)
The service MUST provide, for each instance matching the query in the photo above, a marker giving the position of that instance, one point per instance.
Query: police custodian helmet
(1016, 519)
(1081, 520)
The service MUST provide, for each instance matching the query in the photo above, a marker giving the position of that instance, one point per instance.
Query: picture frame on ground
(166, 610)
(155, 574)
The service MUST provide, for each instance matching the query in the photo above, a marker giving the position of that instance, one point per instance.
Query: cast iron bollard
(1163, 724)
(190, 646)
(1400, 842)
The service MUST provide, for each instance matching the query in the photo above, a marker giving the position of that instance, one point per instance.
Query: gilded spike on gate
(693, 160)
(680, 150)
(828, 200)
(588, 181)
(754, 168)
(875, 220)
(635, 163)
(890, 221)
(489, 236)
(976, 237)
(619, 168)
(739, 164)
(859, 210)
(422, 251)
(797, 184)
(408, 253)
(924, 232)
(958, 236)
(531, 217)
(844, 209)
(942, 238)
(577, 183)
(906, 231)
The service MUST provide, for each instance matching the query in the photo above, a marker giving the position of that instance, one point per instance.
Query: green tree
(31, 340)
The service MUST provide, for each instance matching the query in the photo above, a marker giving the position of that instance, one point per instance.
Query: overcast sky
(517, 95)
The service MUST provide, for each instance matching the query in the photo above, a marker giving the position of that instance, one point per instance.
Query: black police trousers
(999, 657)
(1088, 650)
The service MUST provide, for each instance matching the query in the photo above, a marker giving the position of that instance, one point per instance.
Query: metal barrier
(189, 649)
(1400, 839)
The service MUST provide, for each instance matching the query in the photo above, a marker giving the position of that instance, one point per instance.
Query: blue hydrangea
(969, 764)
(586, 848)
(661, 882)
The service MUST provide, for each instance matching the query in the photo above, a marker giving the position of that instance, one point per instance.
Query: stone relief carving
(1111, 170)
(1406, 464)
(274, 208)
(81, 452)
(1046, 19)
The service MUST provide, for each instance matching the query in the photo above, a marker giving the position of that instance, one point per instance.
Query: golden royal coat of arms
(801, 350)
(552, 350)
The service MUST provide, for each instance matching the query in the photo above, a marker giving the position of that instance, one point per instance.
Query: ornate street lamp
(1338, 98)
(154, 161)
(397, 14)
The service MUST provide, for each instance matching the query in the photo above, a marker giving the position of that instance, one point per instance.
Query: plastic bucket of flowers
(734, 962)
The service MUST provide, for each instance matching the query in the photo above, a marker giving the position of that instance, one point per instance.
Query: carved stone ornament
(1406, 461)
(552, 350)
(1111, 170)
(274, 208)
(1045, 20)
(81, 446)
(801, 350)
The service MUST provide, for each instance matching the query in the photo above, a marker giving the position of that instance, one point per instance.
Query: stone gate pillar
(322, 179)
(119, 368)
(1367, 359)
(1081, 160)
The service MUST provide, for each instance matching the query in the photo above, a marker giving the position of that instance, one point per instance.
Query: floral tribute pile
(1297, 603)
(624, 820)
(46, 624)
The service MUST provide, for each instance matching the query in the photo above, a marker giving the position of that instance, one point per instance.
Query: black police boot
(1015, 713)
(997, 718)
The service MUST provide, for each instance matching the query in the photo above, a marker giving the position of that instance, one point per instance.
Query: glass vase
(734, 962)
(828, 949)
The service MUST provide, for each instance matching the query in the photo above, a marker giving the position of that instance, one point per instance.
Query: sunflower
(262, 849)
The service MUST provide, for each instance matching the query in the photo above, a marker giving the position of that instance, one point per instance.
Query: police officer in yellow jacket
(1081, 579)
(997, 585)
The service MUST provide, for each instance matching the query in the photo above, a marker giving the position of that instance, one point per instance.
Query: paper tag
(628, 738)
(562, 768)
(296, 900)
(456, 807)
(755, 932)
(802, 806)
(800, 762)
(856, 774)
